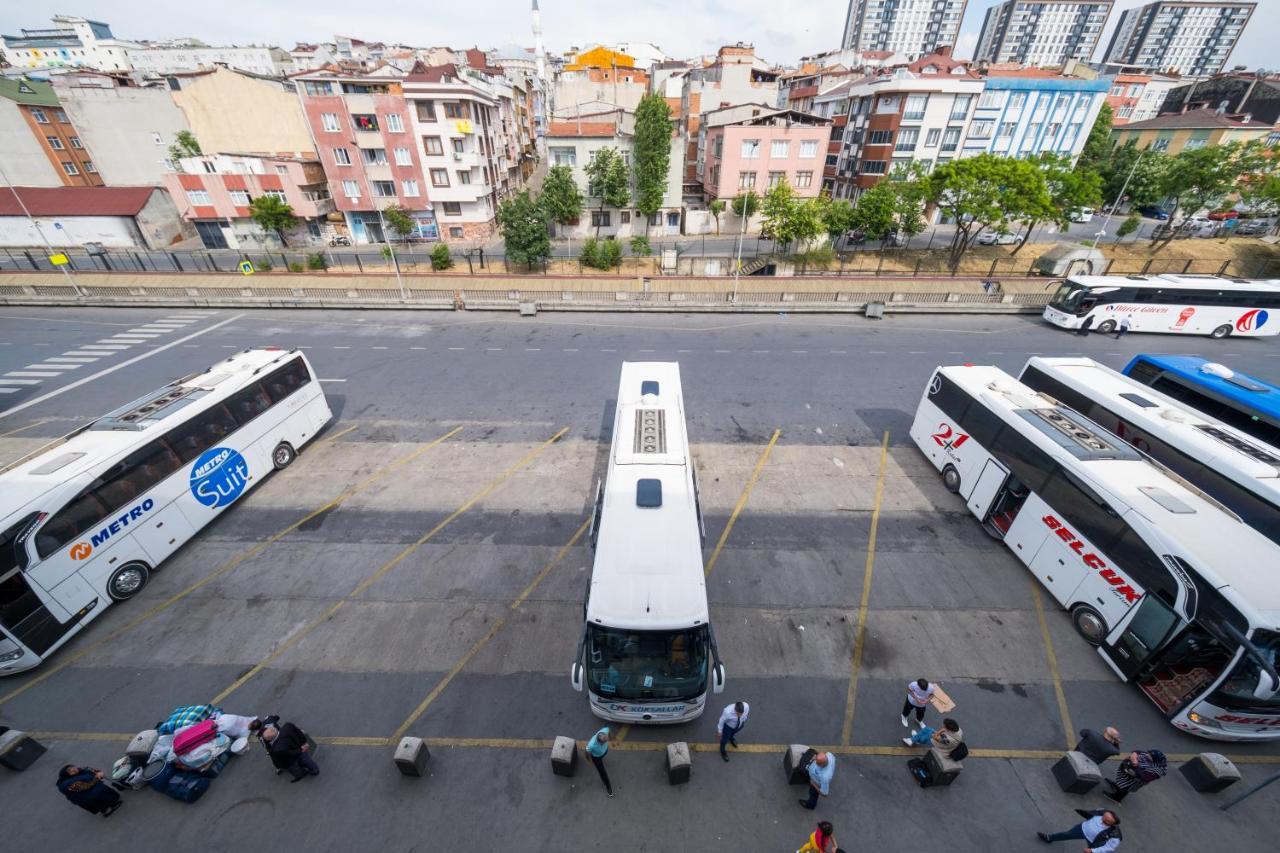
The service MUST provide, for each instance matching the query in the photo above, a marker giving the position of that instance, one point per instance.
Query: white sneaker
(907, 741)
(904, 722)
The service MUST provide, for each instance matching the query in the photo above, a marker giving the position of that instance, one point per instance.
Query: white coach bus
(647, 650)
(1239, 471)
(1187, 304)
(1180, 596)
(85, 521)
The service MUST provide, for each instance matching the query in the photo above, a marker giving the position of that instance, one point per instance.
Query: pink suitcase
(193, 736)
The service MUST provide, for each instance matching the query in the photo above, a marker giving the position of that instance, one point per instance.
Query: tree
(273, 215)
(1202, 177)
(1097, 146)
(715, 208)
(746, 205)
(981, 192)
(875, 214)
(910, 192)
(1135, 173)
(839, 219)
(399, 220)
(777, 206)
(1067, 190)
(184, 145)
(789, 219)
(1131, 223)
(440, 257)
(652, 153)
(609, 182)
(525, 226)
(561, 198)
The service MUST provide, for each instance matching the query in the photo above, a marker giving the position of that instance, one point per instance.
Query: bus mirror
(717, 678)
(575, 676)
(1267, 686)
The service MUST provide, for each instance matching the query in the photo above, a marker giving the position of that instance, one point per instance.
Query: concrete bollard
(1076, 773)
(1209, 772)
(142, 744)
(17, 751)
(412, 756)
(796, 775)
(564, 756)
(679, 763)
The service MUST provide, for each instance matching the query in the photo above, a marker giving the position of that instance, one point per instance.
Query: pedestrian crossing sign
(246, 267)
(59, 260)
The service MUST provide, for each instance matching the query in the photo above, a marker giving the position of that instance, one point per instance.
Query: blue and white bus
(1247, 403)
(84, 521)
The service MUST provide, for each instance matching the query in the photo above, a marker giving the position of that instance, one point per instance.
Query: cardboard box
(941, 701)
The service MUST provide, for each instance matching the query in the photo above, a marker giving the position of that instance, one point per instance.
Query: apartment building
(1021, 113)
(599, 75)
(1035, 33)
(230, 110)
(910, 27)
(192, 55)
(39, 144)
(1256, 93)
(72, 42)
(213, 193)
(736, 76)
(917, 113)
(745, 153)
(1138, 97)
(1190, 38)
(365, 140)
(1200, 128)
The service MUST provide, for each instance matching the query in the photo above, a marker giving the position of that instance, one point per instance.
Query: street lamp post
(36, 225)
(391, 250)
(737, 267)
(1107, 219)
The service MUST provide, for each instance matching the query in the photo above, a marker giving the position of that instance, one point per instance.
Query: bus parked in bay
(647, 652)
(1174, 304)
(85, 521)
(1179, 595)
(1247, 403)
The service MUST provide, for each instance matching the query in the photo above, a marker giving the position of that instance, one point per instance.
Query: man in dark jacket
(289, 748)
(1100, 830)
(1099, 746)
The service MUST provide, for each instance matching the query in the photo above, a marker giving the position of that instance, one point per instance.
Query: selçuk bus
(1175, 304)
(1233, 468)
(1180, 596)
(1247, 403)
(647, 650)
(85, 521)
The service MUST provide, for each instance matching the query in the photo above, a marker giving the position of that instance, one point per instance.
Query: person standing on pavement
(1099, 746)
(289, 748)
(821, 840)
(821, 769)
(597, 747)
(1123, 328)
(1139, 769)
(732, 719)
(84, 787)
(919, 692)
(1084, 327)
(1100, 830)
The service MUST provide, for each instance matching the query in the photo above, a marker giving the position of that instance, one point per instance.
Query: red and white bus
(1179, 595)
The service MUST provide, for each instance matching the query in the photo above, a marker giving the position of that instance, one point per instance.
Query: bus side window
(949, 398)
(248, 404)
(286, 380)
(188, 440)
(81, 515)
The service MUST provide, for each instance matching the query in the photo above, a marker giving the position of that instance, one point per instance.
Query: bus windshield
(635, 665)
(1067, 297)
(1236, 693)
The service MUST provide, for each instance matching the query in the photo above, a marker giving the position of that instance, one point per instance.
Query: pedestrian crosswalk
(84, 354)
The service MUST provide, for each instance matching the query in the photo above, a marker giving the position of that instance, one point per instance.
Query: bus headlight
(1201, 720)
(8, 656)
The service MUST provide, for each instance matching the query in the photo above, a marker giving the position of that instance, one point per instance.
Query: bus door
(987, 488)
(1133, 643)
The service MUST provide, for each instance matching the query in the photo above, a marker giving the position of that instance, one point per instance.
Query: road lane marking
(305, 631)
(17, 382)
(489, 635)
(333, 380)
(137, 358)
(742, 502)
(75, 353)
(860, 631)
(1052, 657)
(34, 374)
(21, 428)
(67, 659)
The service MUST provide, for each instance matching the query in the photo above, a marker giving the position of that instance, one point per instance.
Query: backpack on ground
(920, 772)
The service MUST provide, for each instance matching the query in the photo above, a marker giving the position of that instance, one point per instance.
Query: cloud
(966, 45)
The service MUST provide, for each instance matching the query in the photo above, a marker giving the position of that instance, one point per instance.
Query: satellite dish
(1221, 371)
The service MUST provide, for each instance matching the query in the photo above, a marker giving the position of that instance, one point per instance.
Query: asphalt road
(434, 586)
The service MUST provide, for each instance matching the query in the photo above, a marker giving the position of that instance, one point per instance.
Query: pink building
(213, 192)
(753, 147)
(364, 137)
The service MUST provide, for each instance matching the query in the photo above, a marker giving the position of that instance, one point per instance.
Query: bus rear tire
(1106, 327)
(1220, 332)
(951, 479)
(283, 456)
(127, 581)
(1089, 623)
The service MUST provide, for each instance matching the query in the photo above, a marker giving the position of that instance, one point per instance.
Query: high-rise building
(909, 27)
(1035, 33)
(1192, 39)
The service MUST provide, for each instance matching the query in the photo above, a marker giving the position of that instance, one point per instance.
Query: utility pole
(36, 225)
(1107, 220)
(395, 263)
(737, 267)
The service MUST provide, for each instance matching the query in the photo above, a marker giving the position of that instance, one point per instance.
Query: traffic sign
(246, 267)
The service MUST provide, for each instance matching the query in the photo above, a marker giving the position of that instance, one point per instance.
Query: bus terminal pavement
(420, 570)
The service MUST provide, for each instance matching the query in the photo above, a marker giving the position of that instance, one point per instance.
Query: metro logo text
(1120, 586)
(82, 550)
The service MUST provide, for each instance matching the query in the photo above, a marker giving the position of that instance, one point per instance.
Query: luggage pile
(178, 757)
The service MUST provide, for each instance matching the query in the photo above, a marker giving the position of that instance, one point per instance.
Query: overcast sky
(781, 30)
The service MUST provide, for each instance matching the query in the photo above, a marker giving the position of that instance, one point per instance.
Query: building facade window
(776, 178)
(951, 139)
(915, 107)
(879, 137)
(750, 149)
(715, 175)
(599, 218)
(374, 156)
(431, 144)
(804, 180)
(960, 107)
(316, 89)
(1006, 129)
(426, 110)
(200, 197)
(779, 149)
(410, 188)
(454, 109)
(403, 158)
(564, 156)
(873, 167)
(452, 208)
(746, 180)
(62, 117)
(39, 117)
(55, 143)
(276, 194)
(991, 98)
(384, 189)
(456, 233)
(366, 122)
(931, 138)
(90, 168)
(624, 217)
(394, 123)
(907, 138)
(439, 177)
(240, 198)
(464, 176)
(351, 189)
(808, 148)
(458, 146)
(981, 129)
(330, 122)
(342, 156)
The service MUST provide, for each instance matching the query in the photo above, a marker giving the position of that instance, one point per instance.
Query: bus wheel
(127, 581)
(283, 455)
(1106, 327)
(1089, 623)
(951, 478)
(1220, 332)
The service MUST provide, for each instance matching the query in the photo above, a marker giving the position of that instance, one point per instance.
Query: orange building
(40, 145)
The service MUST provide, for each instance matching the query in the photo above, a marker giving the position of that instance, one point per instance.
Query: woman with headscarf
(1139, 769)
(84, 787)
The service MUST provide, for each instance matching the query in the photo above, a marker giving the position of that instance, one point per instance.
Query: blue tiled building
(1023, 114)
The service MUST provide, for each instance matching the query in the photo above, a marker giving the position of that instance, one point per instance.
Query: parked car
(1152, 211)
(1252, 228)
(993, 238)
(1084, 214)
(1222, 215)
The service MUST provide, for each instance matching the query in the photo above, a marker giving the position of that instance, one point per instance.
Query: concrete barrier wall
(530, 292)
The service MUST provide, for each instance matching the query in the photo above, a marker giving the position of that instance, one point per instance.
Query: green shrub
(317, 261)
(386, 253)
(819, 257)
(263, 265)
(601, 254)
(295, 266)
(440, 257)
(640, 246)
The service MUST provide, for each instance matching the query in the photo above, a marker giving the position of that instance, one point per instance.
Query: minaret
(537, 41)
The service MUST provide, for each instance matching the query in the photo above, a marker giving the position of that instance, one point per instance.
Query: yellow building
(245, 113)
(600, 57)
(1193, 129)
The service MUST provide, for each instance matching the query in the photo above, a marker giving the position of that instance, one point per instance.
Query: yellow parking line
(859, 633)
(67, 659)
(36, 422)
(328, 439)
(1063, 711)
(303, 632)
(742, 501)
(489, 635)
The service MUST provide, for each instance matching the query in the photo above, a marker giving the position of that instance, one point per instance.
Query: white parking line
(342, 347)
(608, 350)
(70, 359)
(17, 382)
(684, 350)
(333, 380)
(146, 336)
(493, 349)
(54, 366)
(96, 355)
(9, 390)
(33, 374)
(760, 351)
(799, 352)
(838, 352)
(107, 347)
(417, 347)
